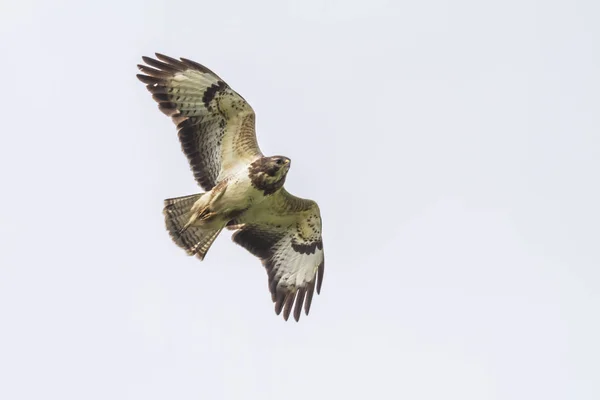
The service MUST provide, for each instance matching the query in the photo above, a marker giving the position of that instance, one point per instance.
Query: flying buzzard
(244, 188)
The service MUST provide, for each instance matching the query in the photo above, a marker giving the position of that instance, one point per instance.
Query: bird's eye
(279, 161)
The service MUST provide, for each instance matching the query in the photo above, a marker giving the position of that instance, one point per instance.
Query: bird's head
(268, 173)
(277, 166)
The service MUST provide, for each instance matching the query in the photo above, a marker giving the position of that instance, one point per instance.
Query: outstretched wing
(284, 231)
(215, 124)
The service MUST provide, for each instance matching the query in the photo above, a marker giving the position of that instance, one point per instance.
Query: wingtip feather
(299, 303)
(170, 60)
(320, 273)
(279, 300)
(309, 296)
(289, 301)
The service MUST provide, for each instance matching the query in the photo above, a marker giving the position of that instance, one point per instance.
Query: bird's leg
(209, 211)
(206, 214)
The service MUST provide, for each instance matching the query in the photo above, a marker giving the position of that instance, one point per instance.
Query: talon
(206, 216)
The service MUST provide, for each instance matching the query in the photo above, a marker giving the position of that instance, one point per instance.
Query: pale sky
(453, 148)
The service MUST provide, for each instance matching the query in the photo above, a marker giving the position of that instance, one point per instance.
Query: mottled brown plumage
(244, 189)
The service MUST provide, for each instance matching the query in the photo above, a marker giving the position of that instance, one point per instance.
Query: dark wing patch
(258, 240)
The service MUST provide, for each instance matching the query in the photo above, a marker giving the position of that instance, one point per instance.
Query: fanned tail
(193, 239)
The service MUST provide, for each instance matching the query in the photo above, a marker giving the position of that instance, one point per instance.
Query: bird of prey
(244, 189)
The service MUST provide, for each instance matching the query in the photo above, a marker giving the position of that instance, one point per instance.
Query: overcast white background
(453, 147)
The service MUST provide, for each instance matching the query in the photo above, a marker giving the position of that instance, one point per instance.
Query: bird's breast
(240, 194)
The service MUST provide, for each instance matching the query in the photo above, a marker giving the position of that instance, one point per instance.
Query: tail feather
(194, 240)
(201, 248)
(181, 205)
